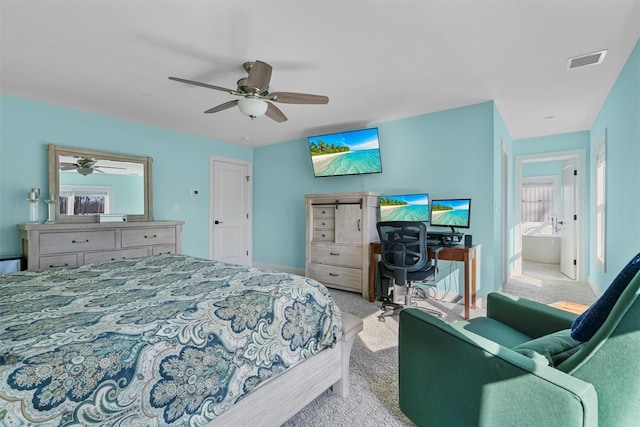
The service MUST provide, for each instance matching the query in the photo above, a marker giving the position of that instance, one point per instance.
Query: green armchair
(520, 366)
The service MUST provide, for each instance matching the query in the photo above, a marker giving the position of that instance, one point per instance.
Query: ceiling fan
(84, 166)
(254, 90)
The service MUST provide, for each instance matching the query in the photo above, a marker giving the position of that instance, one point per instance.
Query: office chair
(403, 247)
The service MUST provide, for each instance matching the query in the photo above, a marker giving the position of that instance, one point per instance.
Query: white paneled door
(568, 248)
(230, 211)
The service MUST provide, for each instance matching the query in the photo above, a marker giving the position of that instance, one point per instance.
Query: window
(84, 200)
(538, 198)
(600, 201)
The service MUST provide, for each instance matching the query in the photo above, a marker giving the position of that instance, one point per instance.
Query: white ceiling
(376, 60)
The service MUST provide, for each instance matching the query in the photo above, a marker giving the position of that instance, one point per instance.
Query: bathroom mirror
(88, 183)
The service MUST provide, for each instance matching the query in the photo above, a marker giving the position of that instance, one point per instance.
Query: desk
(465, 254)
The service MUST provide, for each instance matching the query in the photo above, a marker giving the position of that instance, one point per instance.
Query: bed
(167, 340)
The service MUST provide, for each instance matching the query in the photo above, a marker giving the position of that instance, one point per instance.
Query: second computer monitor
(405, 207)
(454, 213)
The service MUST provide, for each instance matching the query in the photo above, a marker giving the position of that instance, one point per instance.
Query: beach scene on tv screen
(450, 212)
(410, 207)
(346, 153)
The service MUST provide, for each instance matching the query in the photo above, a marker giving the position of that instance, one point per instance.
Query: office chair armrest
(529, 317)
(453, 377)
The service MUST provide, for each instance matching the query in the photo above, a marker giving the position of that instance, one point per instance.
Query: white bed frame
(277, 400)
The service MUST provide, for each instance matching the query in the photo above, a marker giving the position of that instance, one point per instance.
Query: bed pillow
(588, 323)
(551, 349)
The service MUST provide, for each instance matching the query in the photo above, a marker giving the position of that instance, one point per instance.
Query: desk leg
(473, 281)
(372, 275)
(466, 286)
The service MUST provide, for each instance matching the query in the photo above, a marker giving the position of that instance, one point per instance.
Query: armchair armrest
(529, 317)
(449, 377)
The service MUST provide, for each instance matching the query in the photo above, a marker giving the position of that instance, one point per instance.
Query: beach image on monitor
(346, 153)
(450, 212)
(407, 207)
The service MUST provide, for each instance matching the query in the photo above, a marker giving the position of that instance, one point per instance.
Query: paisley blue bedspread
(167, 339)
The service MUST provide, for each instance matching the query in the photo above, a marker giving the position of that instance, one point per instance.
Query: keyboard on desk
(437, 243)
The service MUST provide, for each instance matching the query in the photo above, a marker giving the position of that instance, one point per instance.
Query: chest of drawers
(340, 227)
(58, 245)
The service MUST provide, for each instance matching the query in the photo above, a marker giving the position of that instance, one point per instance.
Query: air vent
(585, 60)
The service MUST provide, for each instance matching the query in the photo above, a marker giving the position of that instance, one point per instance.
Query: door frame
(581, 207)
(212, 160)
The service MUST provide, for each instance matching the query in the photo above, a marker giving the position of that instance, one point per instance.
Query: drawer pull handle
(324, 223)
(334, 274)
(150, 236)
(324, 235)
(334, 253)
(61, 265)
(80, 241)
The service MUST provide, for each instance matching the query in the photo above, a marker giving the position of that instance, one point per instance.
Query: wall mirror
(87, 183)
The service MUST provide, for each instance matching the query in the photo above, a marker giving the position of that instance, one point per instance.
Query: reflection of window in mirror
(84, 200)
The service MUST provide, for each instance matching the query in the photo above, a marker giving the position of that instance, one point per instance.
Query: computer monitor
(405, 207)
(454, 213)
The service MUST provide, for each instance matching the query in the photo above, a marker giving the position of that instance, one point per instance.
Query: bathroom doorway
(549, 212)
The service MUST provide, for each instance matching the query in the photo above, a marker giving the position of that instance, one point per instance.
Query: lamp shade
(252, 107)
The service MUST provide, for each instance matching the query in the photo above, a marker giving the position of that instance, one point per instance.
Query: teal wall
(549, 168)
(448, 154)
(180, 163)
(620, 118)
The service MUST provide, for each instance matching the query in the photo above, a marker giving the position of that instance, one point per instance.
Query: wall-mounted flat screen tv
(454, 213)
(346, 153)
(405, 207)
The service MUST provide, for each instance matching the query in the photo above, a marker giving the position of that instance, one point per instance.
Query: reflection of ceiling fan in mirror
(254, 90)
(85, 166)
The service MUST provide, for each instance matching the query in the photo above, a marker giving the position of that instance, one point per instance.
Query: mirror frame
(54, 186)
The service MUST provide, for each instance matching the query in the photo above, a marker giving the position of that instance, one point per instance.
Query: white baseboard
(282, 268)
(593, 287)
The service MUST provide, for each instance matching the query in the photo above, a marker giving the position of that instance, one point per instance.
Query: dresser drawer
(164, 249)
(77, 241)
(350, 256)
(324, 235)
(343, 277)
(324, 212)
(148, 237)
(324, 224)
(114, 255)
(58, 261)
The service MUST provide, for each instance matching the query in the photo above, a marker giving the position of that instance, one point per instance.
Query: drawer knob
(80, 241)
(150, 236)
(334, 253)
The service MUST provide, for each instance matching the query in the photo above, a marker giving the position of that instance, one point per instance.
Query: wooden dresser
(58, 245)
(340, 227)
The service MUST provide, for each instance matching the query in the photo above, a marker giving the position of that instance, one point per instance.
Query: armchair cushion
(591, 320)
(551, 349)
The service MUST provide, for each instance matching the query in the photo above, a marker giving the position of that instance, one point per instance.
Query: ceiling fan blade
(224, 106)
(259, 76)
(192, 82)
(298, 98)
(274, 113)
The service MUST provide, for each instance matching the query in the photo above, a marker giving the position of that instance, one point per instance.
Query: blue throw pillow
(588, 323)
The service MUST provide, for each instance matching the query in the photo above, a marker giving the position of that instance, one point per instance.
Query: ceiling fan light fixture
(252, 107)
(84, 171)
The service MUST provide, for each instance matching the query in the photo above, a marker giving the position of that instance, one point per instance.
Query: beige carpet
(374, 358)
